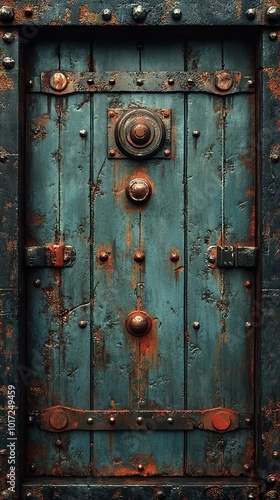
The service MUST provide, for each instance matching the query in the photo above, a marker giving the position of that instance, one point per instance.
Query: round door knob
(138, 190)
(140, 133)
(138, 323)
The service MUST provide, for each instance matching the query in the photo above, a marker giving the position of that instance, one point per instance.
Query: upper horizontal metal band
(218, 82)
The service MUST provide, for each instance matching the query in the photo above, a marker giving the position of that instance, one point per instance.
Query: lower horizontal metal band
(62, 418)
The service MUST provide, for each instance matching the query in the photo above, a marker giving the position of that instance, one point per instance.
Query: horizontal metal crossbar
(219, 82)
(63, 418)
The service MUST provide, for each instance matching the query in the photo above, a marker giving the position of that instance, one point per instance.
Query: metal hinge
(51, 255)
(63, 418)
(232, 256)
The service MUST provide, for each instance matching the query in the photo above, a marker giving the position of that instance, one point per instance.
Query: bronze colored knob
(58, 81)
(223, 80)
(138, 190)
(138, 323)
(140, 133)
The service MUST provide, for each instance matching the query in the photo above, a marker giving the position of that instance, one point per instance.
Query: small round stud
(177, 14)
(58, 443)
(160, 494)
(271, 479)
(138, 323)
(32, 467)
(248, 325)
(251, 496)
(6, 14)
(112, 152)
(139, 13)
(275, 454)
(248, 284)
(273, 36)
(8, 62)
(170, 420)
(90, 421)
(170, 81)
(275, 157)
(139, 420)
(8, 37)
(112, 420)
(196, 325)
(90, 81)
(247, 467)
(196, 133)
(249, 422)
(138, 190)
(139, 82)
(139, 256)
(103, 256)
(107, 14)
(83, 324)
(112, 81)
(111, 113)
(251, 14)
(37, 283)
(167, 152)
(28, 12)
(83, 133)
(140, 467)
(174, 256)
(30, 83)
(251, 83)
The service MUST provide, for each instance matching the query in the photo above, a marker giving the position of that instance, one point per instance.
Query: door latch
(52, 255)
(232, 256)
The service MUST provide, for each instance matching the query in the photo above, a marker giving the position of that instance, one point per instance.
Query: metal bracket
(219, 82)
(232, 256)
(51, 255)
(63, 418)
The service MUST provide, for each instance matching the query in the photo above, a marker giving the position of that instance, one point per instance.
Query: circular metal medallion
(140, 133)
(138, 190)
(138, 323)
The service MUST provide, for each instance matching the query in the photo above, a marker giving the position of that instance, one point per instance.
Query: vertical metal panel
(269, 215)
(9, 250)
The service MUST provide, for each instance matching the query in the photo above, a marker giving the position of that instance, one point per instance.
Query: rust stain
(38, 126)
(35, 219)
(148, 345)
(86, 16)
(6, 83)
(273, 81)
(238, 6)
(67, 18)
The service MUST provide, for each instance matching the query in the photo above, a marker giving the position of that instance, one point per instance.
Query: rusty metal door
(141, 256)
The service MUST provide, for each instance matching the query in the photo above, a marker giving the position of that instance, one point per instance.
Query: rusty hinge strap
(51, 255)
(232, 256)
(63, 418)
(61, 82)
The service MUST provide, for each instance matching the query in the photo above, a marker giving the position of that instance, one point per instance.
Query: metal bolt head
(103, 256)
(251, 496)
(83, 324)
(160, 494)
(249, 421)
(8, 62)
(196, 133)
(275, 454)
(248, 284)
(138, 190)
(58, 81)
(106, 14)
(223, 80)
(273, 35)
(83, 133)
(174, 256)
(139, 13)
(111, 113)
(272, 495)
(251, 14)
(177, 14)
(275, 157)
(251, 84)
(247, 467)
(165, 113)
(30, 83)
(139, 82)
(37, 283)
(170, 420)
(273, 14)
(190, 82)
(8, 37)
(271, 479)
(167, 152)
(58, 443)
(112, 81)
(28, 12)
(170, 81)
(6, 13)
(112, 420)
(248, 325)
(90, 421)
(32, 467)
(196, 325)
(90, 81)
(138, 323)
(139, 420)
(28, 495)
(112, 152)
(140, 467)
(139, 256)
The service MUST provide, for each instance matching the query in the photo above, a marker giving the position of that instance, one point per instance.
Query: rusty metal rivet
(138, 190)
(248, 325)
(223, 80)
(251, 496)
(90, 81)
(190, 82)
(111, 113)
(271, 479)
(8, 62)
(138, 323)
(83, 133)
(273, 35)
(112, 420)
(103, 256)
(275, 157)
(140, 467)
(174, 256)
(83, 324)
(139, 13)
(211, 259)
(160, 494)
(249, 421)
(221, 421)
(251, 83)
(273, 14)
(58, 81)
(107, 14)
(8, 37)
(167, 152)
(32, 467)
(6, 13)
(196, 325)
(139, 420)
(58, 419)
(170, 81)
(58, 443)
(139, 82)
(248, 284)
(275, 454)
(30, 83)
(112, 152)
(247, 467)
(90, 421)
(251, 14)
(112, 81)
(37, 283)
(139, 256)
(170, 420)
(28, 12)
(177, 14)
(196, 133)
